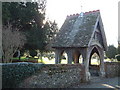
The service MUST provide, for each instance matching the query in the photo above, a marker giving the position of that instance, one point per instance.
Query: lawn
(45, 60)
(63, 61)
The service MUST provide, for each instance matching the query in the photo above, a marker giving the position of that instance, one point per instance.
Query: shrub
(118, 57)
(15, 73)
(33, 53)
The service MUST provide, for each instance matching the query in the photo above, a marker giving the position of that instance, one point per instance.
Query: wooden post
(76, 57)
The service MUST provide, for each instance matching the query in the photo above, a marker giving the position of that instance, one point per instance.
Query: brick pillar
(57, 56)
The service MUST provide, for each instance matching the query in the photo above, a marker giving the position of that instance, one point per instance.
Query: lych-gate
(82, 34)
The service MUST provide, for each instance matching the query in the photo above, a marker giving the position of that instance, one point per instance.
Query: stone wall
(56, 76)
(34, 75)
(112, 69)
(94, 70)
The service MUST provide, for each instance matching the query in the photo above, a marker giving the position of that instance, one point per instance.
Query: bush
(118, 57)
(33, 53)
(15, 73)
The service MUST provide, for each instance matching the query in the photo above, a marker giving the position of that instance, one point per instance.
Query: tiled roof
(77, 30)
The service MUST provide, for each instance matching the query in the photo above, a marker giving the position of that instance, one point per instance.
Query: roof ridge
(92, 11)
(77, 14)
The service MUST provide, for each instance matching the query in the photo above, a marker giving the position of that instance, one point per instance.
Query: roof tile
(76, 31)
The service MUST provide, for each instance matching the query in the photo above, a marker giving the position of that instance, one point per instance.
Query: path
(96, 82)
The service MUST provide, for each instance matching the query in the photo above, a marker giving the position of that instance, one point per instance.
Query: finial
(81, 8)
(81, 14)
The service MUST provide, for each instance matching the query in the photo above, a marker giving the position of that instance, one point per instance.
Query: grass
(45, 60)
(63, 61)
(24, 59)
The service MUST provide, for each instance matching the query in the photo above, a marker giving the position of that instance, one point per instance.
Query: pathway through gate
(96, 82)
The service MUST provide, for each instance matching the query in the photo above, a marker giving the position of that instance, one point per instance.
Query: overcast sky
(58, 10)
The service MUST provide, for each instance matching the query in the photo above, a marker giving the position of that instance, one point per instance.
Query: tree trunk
(41, 54)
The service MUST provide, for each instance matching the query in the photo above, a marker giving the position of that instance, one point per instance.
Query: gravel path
(101, 83)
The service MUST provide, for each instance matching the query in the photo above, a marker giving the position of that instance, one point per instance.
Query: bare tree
(12, 40)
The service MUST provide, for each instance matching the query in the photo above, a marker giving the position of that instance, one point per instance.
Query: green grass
(45, 60)
(24, 59)
(63, 61)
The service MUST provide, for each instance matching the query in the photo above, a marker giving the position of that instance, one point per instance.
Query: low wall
(56, 76)
(112, 69)
(42, 76)
(34, 75)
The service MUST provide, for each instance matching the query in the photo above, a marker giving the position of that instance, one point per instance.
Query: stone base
(102, 74)
(88, 76)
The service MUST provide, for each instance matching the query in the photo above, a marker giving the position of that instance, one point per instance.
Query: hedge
(14, 73)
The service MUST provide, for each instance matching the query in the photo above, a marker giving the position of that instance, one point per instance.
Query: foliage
(118, 57)
(112, 51)
(15, 73)
(51, 30)
(12, 40)
(118, 49)
(29, 17)
(33, 53)
(35, 40)
(23, 15)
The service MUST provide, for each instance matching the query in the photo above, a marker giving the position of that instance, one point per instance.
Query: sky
(58, 10)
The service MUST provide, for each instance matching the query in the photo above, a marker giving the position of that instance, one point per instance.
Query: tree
(12, 40)
(118, 52)
(23, 15)
(112, 51)
(118, 49)
(33, 53)
(29, 17)
(51, 29)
